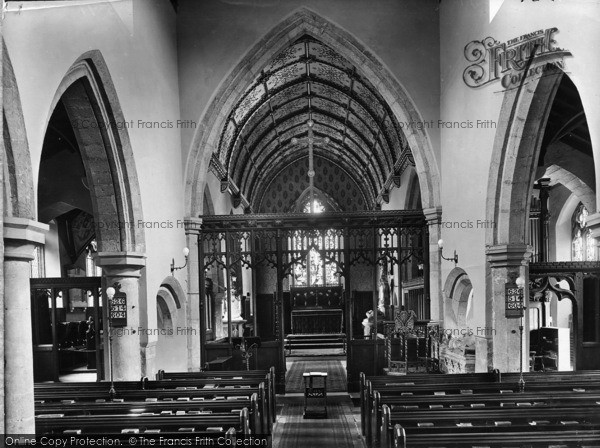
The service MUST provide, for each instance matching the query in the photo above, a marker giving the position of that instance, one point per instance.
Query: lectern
(315, 394)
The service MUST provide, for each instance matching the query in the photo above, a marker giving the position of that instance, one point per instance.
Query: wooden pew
(116, 424)
(522, 400)
(492, 376)
(158, 407)
(268, 374)
(372, 406)
(545, 437)
(382, 395)
(445, 421)
(57, 392)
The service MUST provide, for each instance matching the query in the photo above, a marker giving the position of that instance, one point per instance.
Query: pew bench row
(241, 402)
(396, 409)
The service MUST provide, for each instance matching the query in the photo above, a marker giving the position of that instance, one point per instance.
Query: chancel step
(314, 341)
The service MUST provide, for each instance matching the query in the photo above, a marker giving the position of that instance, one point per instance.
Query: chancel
(301, 223)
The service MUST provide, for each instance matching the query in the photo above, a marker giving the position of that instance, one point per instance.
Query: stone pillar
(505, 263)
(194, 309)
(20, 237)
(3, 152)
(129, 357)
(434, 219)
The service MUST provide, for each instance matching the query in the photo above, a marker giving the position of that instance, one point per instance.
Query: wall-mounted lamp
(186, 253)
(441, 247)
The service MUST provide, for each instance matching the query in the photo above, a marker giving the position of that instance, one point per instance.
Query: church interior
(291, 223)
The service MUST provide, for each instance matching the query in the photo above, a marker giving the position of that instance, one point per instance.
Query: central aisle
(341, 429)
(334, 366)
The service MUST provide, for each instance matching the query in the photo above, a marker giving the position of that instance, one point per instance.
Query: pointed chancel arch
(90, 99)
(305, 24)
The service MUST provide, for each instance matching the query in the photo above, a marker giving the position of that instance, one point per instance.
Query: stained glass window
(313, 270)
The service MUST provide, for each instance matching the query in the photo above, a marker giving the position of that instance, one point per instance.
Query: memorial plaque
(514, 301)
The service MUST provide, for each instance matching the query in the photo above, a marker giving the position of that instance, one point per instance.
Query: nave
(222, 188)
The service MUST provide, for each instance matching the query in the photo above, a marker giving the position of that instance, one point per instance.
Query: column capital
(192, 226)
(121, 264)
(433, 215)
(508, 255)
(21, 235)
(593, 223)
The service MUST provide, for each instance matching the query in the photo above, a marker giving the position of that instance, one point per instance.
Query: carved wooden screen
(373, 250)
(578, 283)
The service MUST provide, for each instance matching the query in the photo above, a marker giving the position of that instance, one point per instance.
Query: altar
(317, 310)
(317, 321)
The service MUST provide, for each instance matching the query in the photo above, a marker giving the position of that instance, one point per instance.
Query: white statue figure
(368, 323)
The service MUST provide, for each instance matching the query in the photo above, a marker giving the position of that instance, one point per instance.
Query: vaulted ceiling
(567, 122)
(267, 129)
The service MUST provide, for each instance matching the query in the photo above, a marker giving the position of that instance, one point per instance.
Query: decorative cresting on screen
(579, 283)
(310, 81)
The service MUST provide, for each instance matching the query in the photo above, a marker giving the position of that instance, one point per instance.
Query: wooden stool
(315, 387)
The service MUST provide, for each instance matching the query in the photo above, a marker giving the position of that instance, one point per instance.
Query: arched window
(315, 269)
(583, 245)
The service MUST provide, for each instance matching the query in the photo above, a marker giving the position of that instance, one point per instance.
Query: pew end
(244, 422)
(385, 423)
(273, 394)
(375, 418)
(368, 410)
(362, 380)
(399, 436)
(258, 417)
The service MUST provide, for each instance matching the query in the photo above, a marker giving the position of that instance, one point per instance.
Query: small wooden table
(315, 388)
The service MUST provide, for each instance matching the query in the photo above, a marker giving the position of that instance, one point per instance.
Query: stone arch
(517, 144)
(306, 22)
(166, 304)
(574, 184)
(91, 100)
(457, 290)
(165, 316)
(171, 345)
(172, 285)
(18, 182)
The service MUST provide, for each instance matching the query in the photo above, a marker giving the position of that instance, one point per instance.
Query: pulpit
(408, 344)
